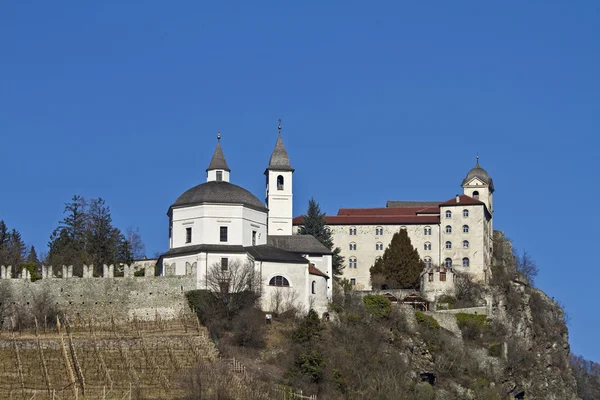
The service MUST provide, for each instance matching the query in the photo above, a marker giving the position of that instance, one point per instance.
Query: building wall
(324, 264)
(203, 261)
(279, 203)
(206, 220)
(366, 251)
(430, 290)
(297, 277)
(477, 238)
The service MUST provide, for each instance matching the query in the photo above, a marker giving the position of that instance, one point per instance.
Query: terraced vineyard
(102, 361)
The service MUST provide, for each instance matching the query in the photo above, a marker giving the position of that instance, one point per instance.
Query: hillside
(371, 348)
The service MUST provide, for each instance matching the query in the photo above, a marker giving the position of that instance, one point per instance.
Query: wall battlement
(120, 297)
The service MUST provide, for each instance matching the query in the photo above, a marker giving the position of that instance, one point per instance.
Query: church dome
(219, 192)
(480, 173)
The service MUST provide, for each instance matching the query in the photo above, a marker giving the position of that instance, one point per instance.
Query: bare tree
(234, 285)
(137, 247)
(526, 266)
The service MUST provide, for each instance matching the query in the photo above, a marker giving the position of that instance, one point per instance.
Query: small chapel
(217, 223)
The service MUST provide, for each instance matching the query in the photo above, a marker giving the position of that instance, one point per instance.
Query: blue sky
(379, 101)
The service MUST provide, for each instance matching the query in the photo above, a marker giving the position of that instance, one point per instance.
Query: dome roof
(219, 192)
(481, 174)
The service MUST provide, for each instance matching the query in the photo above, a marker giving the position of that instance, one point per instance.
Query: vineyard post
(19, 366)
(41, 353)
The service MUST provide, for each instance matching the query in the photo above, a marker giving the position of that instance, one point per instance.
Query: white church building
(217, 223)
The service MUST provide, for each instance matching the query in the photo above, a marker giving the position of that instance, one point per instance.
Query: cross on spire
(279, 127)
(219, 136)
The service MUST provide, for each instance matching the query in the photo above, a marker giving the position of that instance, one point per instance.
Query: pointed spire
(218, 158)
(279, 161)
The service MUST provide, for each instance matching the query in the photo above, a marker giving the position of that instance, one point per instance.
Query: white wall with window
(293, 284)
(371, 242)
(202, 224)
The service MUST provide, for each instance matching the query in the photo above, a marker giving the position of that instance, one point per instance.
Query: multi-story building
(455, 234)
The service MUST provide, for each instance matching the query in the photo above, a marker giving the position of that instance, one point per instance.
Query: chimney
(457, 198)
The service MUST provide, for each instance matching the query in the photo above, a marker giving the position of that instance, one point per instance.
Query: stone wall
(142, 297)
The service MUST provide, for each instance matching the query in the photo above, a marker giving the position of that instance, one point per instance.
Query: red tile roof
(315, 271)
(376, 219)
(463, 200)
(402, 215)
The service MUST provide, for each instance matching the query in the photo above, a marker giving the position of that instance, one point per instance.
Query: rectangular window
(353, 282)
(442, 276)
(188, 235)
(253, 238)
(431, 277)
(223, 234)
(219, 176)
(224, 264)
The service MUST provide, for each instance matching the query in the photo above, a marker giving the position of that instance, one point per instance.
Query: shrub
(426, 320)
(377, 305)
(311, 364)
(445, 299)
(472, 326)
(308, 329)
(249, 329)
(495, 349)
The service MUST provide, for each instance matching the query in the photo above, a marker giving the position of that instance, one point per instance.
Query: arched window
(378, 246)
(314, 287)
(465, 244)
(352, 246)
(427, 261)
(448, 229)
(402, 228)
(427, 230)
(280, 182)
(476, 195)
(465, 262)
(352, 263)
(427, 246)
(279, 281)
(448, 262)
(352, 230)
(379, 231)
(465, 228)
(448, 214)
(465, 213)
(448, 245)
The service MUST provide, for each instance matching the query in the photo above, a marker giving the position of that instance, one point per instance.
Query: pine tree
(313, 223)
(400, 265)
(32, 257)
(4, 239)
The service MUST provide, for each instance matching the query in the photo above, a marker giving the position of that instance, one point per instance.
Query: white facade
(201, 224)
(279, 201)
(218, 223)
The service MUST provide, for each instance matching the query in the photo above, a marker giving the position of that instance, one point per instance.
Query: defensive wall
(102, 298)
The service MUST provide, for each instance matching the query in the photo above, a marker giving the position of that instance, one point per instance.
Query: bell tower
(279, 190)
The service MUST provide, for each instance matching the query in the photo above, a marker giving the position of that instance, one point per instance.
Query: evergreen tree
(68, 244)
(400, 265)
(103, 239)
(32, 257)
(313, 223)
(4, 239)
(86, 235)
